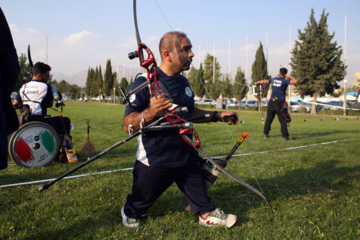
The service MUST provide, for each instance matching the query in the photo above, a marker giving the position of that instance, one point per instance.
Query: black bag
(285, 113)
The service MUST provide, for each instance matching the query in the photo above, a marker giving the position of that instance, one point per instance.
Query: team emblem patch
(132, 98)
(188, 91)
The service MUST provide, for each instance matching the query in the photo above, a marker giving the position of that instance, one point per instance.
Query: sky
(73, 35)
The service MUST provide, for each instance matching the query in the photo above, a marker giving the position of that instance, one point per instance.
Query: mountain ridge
(80, 77)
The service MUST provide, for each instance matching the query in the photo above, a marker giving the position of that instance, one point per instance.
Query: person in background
(38, 95)
(277, 100)
(9, 74)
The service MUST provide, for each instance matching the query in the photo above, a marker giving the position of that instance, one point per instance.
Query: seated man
(38, 95)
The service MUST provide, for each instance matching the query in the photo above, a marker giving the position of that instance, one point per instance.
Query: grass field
(311, 181)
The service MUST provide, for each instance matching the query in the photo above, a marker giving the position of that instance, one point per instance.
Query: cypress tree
(240, 87)
(215, 89)
(25, 74)
(316, 60)
(212, 85)
(115, 83)
(192, 77)
(259, 72)
(227, 88)
(124, 84)
(100, 80)
(259, 67)
(88, 82)
(93, 88)
(96, 85)
(199, 84)
(108, 79)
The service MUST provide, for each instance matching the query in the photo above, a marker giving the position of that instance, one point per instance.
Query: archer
(163, 157)
(277, 104)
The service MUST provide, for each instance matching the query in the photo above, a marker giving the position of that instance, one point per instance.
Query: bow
(150, 65)
(29, 56)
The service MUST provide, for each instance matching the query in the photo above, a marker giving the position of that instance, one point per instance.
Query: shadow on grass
(320, 179)
(87, 228)
(321, 134)
(230, 196)
(234, 198)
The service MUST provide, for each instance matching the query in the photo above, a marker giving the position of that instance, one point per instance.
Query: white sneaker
(217, 218)
(129, 222)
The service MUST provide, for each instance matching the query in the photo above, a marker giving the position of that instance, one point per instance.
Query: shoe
(266, 135)
(217, 218)
(129, 222)
(286, 138)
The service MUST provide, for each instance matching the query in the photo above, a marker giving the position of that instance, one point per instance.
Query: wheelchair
(35, 143)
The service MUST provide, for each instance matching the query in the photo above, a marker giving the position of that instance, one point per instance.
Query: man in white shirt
(38, 95)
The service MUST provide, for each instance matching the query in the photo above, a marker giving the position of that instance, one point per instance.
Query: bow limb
(137, 34)
(203, 153)
(151, 66)
(29, 56)
(149, 63)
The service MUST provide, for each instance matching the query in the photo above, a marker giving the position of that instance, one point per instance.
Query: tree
(240, 88)
(211, 76)
(131, 81)
(192, 76)
(73, 90)
(25, 74)
(226, 89)
(115, 83)
(259, 72)
(316, 61)
(97, 86)
(100, 79)
(91, 87)
(73, 95)
(108, 79)
(63, 86)
(88, 83)
(215, 89)
(259, 67)
(124, 84)
(198, 86)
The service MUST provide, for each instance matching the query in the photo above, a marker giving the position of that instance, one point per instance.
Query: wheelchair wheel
(34, 144)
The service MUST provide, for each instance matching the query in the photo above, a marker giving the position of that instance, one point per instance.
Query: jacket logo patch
(132, 97)
(188, 92)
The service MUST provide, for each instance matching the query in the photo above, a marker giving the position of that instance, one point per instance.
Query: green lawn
(311, 181)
